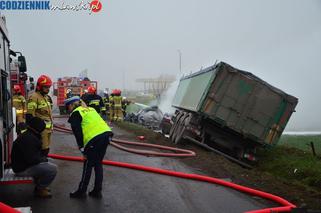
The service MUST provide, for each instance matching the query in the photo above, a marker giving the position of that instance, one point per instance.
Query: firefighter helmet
(118, 92)
(16, 88)
(91, 90)
(43, 80)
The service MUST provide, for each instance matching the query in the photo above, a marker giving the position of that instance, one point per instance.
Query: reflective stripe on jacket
(40, 106)
(117, 101)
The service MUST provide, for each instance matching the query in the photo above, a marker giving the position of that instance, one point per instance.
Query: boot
(45, 152)
(78, 194)
(36, 189)
(95, 194)
(42, 193)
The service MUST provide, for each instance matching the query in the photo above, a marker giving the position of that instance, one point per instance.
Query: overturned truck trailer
(230, 110)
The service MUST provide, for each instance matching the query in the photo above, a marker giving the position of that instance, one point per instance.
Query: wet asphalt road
(127, 190)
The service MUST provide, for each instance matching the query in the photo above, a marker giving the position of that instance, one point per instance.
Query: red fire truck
(9, 59)
(70, 86)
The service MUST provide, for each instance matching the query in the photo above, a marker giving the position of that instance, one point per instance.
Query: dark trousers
(95, 151)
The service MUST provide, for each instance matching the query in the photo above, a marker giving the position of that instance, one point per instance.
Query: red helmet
(16, 89)
(91, 90)
(43, 80)
(118, 92)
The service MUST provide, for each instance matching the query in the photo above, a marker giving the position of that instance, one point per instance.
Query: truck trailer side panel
(192, 90)
(236, 100)
(248, 105)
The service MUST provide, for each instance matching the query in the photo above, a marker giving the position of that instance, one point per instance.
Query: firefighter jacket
(86, 124)
(111, 102)
(117, 100)
(19, 102)
(40, 106)
(94, 101)
(106, 102)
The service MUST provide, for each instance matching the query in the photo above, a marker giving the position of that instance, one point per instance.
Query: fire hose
(116, 143)
(286, 205)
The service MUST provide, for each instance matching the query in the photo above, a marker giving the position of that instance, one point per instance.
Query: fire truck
(18, 75)
(70, 86)
(15, 61)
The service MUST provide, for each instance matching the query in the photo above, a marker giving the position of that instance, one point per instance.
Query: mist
(279, 41)
(166, 98)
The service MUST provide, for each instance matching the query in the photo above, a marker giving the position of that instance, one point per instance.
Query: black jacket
(75, 120)
(93, 100)
(26, 149)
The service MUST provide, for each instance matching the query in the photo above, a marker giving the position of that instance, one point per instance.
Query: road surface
(127, 190)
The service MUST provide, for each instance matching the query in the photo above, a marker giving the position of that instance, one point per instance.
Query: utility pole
(123, 81)
(180, 61)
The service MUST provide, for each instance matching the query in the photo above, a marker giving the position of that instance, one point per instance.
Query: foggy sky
(279, 41)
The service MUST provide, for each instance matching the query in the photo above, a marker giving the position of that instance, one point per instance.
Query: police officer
(19, 102)
(93, 136)
(40, 105)
(95, 101)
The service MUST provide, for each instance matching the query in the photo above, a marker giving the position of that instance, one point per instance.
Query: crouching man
(93, 136)
(29, 160)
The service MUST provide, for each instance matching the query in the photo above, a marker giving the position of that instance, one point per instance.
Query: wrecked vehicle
(149, 116)
(166, 123)
(230, 110)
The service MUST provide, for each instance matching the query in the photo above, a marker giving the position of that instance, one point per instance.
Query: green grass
(302, 142)
(292, 165)
(290, 161)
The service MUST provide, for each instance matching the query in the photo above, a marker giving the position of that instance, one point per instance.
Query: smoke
(166, 99)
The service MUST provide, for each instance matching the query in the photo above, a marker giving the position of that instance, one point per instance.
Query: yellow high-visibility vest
(92, 124)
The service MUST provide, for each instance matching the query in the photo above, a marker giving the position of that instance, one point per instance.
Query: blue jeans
(43, 173)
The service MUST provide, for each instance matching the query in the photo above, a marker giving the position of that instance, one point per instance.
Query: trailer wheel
(174, 126)
(182, 127)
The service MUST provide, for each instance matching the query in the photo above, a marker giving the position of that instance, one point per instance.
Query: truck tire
(184, 121)
(174, 126)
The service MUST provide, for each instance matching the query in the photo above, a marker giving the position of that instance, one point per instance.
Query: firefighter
(124, 105)
(117, 101)
(95, 101)
(69, 93)
(93, 136)
(106, 103)
(19, 102)
(40, 105)
(84, 95)
(111, 105)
